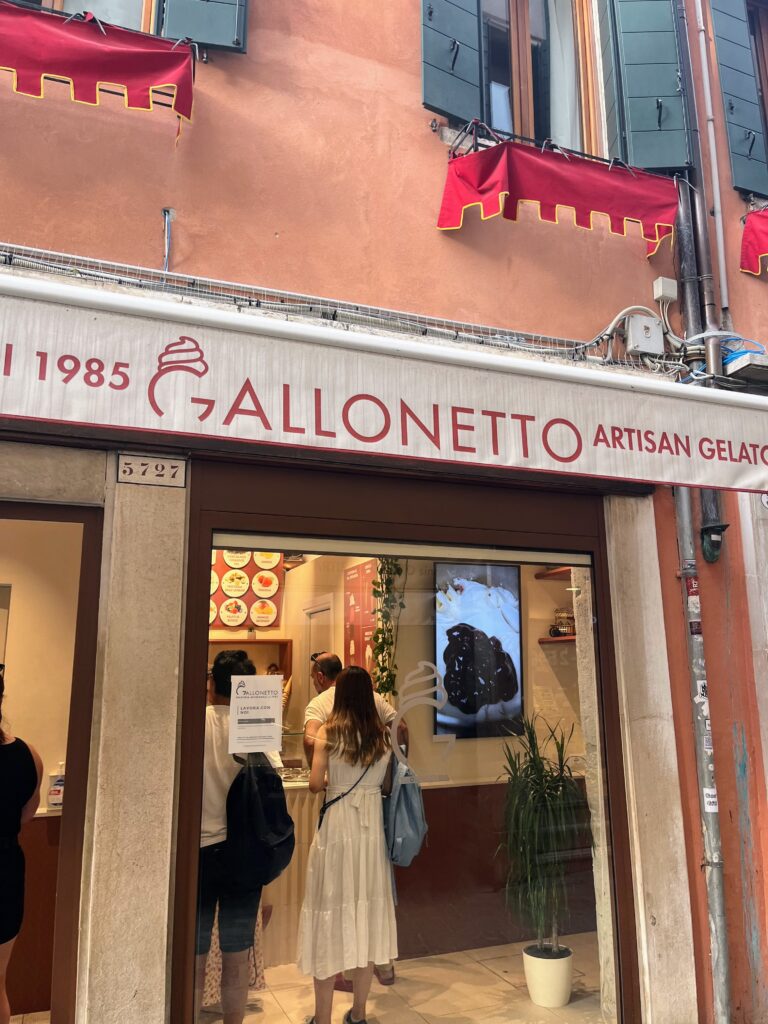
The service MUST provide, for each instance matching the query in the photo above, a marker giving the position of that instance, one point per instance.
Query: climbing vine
(389, 603)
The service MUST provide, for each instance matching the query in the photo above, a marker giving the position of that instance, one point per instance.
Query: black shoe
(348, 1019)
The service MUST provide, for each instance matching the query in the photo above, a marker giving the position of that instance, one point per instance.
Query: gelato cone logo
(182, 356)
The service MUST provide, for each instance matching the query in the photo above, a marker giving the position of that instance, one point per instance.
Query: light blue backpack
(405, 824)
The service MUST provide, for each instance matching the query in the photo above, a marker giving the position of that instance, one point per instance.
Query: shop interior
(39, 582)
(525, 621)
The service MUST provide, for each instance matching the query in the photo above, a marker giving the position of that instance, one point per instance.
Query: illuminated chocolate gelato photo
(478, 649)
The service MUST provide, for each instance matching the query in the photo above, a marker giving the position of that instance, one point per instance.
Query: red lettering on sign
(705, 448)
(238, 408)
(494, 417)
(601, 437)
(366, 438)
(548, 427)
(456, 427)
(523, 421)
(407, 413)
(287, 427)
(319, 430)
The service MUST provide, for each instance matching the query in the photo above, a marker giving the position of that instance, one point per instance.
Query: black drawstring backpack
(260, 835)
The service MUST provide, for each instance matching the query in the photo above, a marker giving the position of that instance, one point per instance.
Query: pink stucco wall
(310, 166)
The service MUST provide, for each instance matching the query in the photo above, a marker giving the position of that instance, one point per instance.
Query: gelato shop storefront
(241, 495)
(478, 611)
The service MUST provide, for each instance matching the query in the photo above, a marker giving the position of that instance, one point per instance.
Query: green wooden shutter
(651, 84)
(221, 24)
(743, 116)
(451, 77)
(611, 83)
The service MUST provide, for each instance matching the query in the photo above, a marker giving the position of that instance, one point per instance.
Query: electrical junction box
(665, 289)
(751, 367)
(645, 335)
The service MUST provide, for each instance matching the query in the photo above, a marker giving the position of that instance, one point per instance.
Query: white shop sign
(171, 370)
(256, 714)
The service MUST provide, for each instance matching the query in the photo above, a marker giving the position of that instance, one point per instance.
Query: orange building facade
(305, 193)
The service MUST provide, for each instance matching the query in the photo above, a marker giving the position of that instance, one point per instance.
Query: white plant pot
(549, 981)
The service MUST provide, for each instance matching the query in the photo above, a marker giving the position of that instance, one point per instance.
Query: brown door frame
(222, 497)
(70, 862)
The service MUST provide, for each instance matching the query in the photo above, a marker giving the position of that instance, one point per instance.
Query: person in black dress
(21, 772)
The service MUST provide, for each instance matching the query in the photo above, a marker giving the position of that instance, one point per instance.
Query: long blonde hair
(354, 729)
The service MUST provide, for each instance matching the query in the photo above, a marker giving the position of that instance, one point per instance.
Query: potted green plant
(544, 813)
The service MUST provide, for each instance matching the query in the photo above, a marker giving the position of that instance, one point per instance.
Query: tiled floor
(477, 985)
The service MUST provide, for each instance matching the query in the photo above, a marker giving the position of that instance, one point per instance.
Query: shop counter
(29, 972)
(453, 895)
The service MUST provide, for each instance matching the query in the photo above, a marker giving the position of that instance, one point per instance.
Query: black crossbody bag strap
(329, 803)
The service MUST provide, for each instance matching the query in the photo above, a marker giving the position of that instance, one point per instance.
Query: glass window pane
(498, 70)
(492, 655)
(555, 73)
(125, 13)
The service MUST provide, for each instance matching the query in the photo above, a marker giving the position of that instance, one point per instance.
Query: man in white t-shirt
(325, 668)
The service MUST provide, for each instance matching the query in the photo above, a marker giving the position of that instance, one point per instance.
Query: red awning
(500, 177)
(91, 55)
(754, 242)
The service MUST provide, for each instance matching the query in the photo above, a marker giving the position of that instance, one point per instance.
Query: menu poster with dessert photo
(246, 589)
(478, 651)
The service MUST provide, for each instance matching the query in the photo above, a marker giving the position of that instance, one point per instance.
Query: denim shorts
(237, 909)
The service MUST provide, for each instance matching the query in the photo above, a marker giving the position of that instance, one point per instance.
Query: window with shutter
(451, 75)
(739, 40)
(645, 110)
(523, 66)
(222, 23)
(614, 122)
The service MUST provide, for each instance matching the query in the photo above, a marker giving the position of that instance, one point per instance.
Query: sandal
(348, 1019)
(385, 975)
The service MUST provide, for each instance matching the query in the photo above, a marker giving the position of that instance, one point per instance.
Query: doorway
(320, 627)
(422, 523)
(49, 585)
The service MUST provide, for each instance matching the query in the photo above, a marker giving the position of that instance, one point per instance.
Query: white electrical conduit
(248, 322)
(713, 168)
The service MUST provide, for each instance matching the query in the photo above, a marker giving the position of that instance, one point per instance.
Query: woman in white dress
(348, 916)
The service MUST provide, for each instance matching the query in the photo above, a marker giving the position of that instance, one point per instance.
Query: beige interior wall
(41, 563)
(5, 601)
